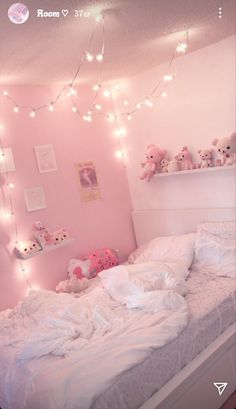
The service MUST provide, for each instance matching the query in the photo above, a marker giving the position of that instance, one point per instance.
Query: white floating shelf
(199, 170)
(44, 250)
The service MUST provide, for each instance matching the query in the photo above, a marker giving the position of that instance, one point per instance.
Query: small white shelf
(44, 250)
(199, 170)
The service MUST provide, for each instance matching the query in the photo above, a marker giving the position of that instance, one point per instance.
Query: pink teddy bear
(185, 159)
(152, 163)
(206, 157)
(227, 148)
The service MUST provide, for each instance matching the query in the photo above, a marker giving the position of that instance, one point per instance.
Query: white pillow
(226, 230)
(177, 249)
(214, 255)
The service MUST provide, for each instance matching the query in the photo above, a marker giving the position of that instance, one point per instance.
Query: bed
(182, 372)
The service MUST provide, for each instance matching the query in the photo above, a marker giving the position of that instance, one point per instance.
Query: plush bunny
(185, 159)
(206, 157)
(227, 148)
(152, 164)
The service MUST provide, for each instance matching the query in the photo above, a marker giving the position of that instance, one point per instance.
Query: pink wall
(104, 222)
(199, 107)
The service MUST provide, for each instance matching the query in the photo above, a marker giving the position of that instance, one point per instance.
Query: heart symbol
(65, 12)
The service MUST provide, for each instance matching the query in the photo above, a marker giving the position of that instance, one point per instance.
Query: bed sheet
(212, 305)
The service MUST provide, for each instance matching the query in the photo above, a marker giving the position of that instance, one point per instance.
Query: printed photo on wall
(88, 183)
(34, 199)
(7, 163)
(45, 158)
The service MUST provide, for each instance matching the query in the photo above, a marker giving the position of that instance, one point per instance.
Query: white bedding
(58, 351)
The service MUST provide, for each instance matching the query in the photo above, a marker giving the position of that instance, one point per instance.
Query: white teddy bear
(206, 157)
(227, 148)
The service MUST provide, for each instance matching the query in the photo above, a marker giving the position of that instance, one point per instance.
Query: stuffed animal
(26, 248)
(164, 165)
(42, 235)
(227, 148)
(173, 166)
(152, 164)
(185, 159)
(206, 157)
(59, 236)
(90, 265)
(72, 285)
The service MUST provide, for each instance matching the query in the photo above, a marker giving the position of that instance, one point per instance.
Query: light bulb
(110, 117)
(120, 132)
(164, 94)
(1, 127)
(168, 77)
(32, 113)
(16, 109)
(51, 107)
(126, 102)
(6, 215)
(107, 93)
(98, 107)
(74, 109)
(99, 57)
(5, 93)
(120, 154)
(181, 47)
(11, 185)
(89, 118)
(71, 91)
(117, 87)
(129, 117)
(96, 87)
(89, 57)
(138, 105)
(148, 102)
(98, 18)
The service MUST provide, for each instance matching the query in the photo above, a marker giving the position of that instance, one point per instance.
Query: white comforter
(58, 351)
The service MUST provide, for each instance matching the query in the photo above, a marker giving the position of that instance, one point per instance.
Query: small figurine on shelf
(164, 165)
(59, 236)
(185, 159)
(42, 235)
(206, 158)
(25, 249)
(227, 148)
(152, 164)
(173, 165)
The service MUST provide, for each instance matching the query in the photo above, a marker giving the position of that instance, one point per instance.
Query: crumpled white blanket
(98, 336)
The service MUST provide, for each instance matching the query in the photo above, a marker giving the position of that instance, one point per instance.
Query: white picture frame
(7, 163)
(46, 158)
(35, 199)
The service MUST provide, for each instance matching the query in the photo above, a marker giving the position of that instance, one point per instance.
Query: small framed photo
(45, 157)
(7, 163)
(34, 199)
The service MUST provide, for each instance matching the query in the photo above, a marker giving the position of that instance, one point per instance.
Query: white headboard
(164, 222)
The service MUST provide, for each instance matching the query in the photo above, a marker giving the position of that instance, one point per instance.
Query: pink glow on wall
(99, 223)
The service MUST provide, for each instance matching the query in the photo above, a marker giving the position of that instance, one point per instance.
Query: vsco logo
(18, 13)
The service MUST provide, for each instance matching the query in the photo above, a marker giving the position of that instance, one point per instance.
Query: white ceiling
(139, 35)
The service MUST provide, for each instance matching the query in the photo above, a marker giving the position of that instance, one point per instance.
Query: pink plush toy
(152, 164)
(91, 265)
(185, 159)
(59, 236)
(206, 157)
(227, 148)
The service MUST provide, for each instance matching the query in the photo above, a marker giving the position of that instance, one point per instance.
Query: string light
(96, 87)
(5, 93)
(138, 106)
(32, 113)
(111, 117)
(107, 93)
(99, 57)
(164, 94)
(51, 107)
(129, 117)
(89, 57)
(99, 18)
(120, 132)
(126, 102)
(148, 102)
(11, 185)
(181, 47)
(71, 91)
(120, 154)
(74, 109)
(168, 77)
(98, 107)
(16, 109)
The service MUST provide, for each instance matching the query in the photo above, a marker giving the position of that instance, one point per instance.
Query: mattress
(212, 305)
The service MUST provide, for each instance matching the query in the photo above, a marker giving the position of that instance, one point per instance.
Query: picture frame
(7, 163)
(88, 181)
(46, 158)
(35, 199)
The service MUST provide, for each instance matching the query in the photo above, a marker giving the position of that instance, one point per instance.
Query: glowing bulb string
(11, 213)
